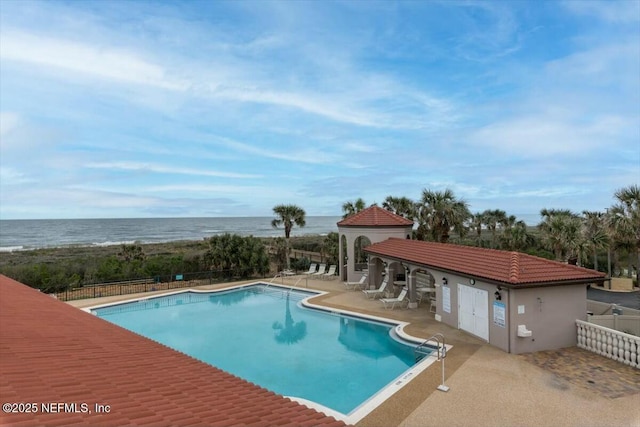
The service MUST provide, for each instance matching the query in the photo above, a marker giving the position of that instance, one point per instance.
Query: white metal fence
(624, 348)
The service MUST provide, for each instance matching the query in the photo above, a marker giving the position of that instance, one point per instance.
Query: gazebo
(371, 225)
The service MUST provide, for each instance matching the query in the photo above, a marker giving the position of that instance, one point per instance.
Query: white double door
(473, 311)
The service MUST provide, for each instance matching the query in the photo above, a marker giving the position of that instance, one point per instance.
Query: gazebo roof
(375, 216)
(512, 268)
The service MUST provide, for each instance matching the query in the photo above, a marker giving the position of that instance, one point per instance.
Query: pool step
(421, 352)
(281, 293)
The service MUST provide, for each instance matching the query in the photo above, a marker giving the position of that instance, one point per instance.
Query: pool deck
(488, 387)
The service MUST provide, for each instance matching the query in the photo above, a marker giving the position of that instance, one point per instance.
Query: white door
(465, 308)
(473, 311)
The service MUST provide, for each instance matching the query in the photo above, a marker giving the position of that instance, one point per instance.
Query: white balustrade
(624, 348)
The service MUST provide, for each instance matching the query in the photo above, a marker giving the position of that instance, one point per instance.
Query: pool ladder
(424, 349)
(282, 276)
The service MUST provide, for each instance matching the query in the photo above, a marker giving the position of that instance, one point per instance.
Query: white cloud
(97, 61)
(627, 11)
(607, 63)
(11, 176)
(204, 188)
(319, 104)
(541, 135)
(8, 122)
(148, 167)
(305, 155)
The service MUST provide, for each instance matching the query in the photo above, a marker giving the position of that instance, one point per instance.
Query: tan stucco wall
(550, 313)
(552, 322)
(621, 284)
(498, 335)
(374, 234)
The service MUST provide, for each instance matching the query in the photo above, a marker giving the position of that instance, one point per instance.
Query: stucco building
(517, 302)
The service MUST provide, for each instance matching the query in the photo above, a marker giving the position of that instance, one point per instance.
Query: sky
(115, 109)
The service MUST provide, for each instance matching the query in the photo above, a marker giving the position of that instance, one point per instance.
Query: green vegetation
(237, 256)
(288, 216)
(59, 269)
(607, 241)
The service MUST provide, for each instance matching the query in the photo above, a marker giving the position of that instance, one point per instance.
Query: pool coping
(366, 407)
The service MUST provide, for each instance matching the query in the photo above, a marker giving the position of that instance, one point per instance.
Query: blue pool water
(264, 336)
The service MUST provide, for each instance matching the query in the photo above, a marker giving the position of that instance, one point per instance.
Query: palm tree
(475, 224)
(595, 233)
(561, 232)
(402, 206)
(492, 219)
(515, 235)
(350, 208)
(133, 252)
(625, 219)
(331, 248)
(288, 216)
(440, 212)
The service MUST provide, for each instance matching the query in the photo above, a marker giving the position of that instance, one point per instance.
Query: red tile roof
(509, 267)
(375, 216)
(51, 352)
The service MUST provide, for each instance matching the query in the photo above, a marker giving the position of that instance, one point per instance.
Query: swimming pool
(264, 335)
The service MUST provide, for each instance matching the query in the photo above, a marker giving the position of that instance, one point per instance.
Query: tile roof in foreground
(375, 216)
(513, 268)
(51, 352)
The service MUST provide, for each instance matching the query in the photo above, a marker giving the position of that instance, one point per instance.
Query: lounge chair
(392, 302)
(375, 293)
(312, 269)
(322, 269)
(331, 273)
(433, 305)
(358, 285)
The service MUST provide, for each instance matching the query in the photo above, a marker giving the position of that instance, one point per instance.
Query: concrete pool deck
(568, 387)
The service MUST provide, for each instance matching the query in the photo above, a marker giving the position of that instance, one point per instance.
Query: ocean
(50, 233)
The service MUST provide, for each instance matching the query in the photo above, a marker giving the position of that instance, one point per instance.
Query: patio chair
(375, 293)
(356, 285)
(423, 292)
(392, 302)
(312, 269)
(433, 305)
(322, 269)
(331, 273)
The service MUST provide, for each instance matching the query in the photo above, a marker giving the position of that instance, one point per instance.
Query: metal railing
(149, 284)
(441, 353)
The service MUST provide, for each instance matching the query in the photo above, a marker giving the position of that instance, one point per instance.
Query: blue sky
(197, 108)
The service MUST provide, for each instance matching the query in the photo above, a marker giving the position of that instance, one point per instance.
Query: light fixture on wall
(445, 281)
(497, 294)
